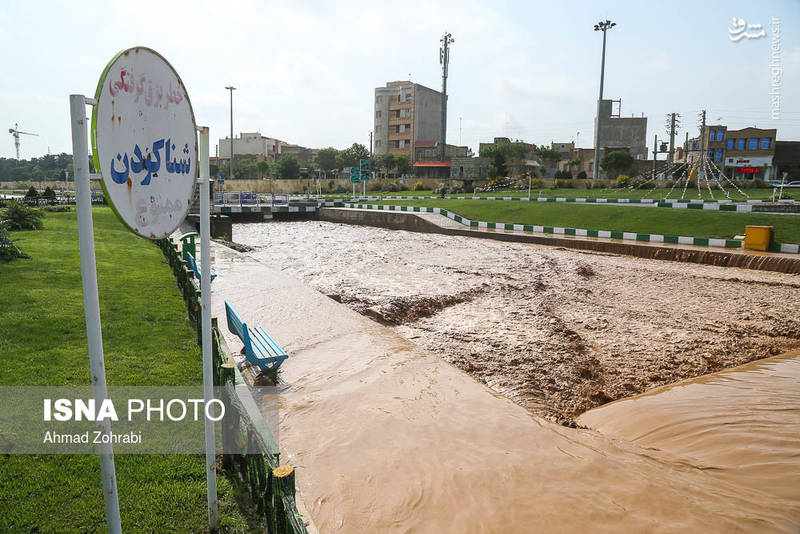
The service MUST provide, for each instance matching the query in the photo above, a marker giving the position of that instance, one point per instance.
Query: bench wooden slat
(266, 342)
(273, 344)
(259, 345)
(275, 356)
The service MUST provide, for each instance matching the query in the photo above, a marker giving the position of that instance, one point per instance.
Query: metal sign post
(91, 301)
(364, 171)
(355, 177)
(205, 295)
(529, 185)
(145, 147)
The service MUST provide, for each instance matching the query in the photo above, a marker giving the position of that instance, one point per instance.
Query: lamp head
(604, 25)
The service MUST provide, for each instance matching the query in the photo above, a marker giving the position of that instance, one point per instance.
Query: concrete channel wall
(414, 223)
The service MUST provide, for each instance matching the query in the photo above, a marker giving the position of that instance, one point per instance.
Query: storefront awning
(432, 164)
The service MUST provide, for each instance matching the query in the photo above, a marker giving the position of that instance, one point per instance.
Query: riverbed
(386, 436)
(557, 331)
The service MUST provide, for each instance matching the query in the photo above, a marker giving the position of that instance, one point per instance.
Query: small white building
(250, 144)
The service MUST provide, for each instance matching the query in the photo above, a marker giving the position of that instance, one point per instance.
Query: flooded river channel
(557, 331)
(386, 438)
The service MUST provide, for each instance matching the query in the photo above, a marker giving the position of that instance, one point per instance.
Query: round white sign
(144, 142)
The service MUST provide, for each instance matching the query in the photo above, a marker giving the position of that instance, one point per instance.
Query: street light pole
(231, 89)
(600, 26)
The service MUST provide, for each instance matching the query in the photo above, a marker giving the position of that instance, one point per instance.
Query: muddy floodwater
(395, 436)
(739, 425)
(557, 331)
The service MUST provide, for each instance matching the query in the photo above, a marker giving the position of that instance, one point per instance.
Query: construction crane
(15, 131)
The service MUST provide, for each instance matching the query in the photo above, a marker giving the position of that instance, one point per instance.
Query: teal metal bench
(193, 266)
(259, 347)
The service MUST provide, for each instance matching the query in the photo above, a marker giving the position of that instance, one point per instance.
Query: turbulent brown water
(387, 438)
(557, 331)
(741, 425)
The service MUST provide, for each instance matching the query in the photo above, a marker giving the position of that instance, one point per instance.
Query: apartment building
(529, 147)
(406, 113)
(250, 144)
(745, 153)
(618, 132)
(567, 150)
(303, 154)
(430, 151)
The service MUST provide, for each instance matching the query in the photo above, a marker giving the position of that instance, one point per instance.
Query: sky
(305, 71)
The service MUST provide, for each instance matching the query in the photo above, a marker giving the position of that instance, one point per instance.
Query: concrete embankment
(430, 223)
(387, 438)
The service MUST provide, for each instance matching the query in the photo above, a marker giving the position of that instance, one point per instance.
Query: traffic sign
(365, 169)
(144, 142)
(221, 181)
(354, 175)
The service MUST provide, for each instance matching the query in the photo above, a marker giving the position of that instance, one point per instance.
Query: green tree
(616, 162)
(502, 156)
(326, 159)
(384, 162)
(287, 167)
(263, 168)
(49, 167)
(8, 250)
(49, 194)
(224, 169)
(402, 163)
(351, 157)
(245, 169)
(548, 156)
(21, 217)
(497, 159)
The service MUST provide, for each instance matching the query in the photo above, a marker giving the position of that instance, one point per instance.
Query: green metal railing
(271, 486)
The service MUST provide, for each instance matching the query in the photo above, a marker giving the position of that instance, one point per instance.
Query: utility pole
(459, 131)
(655, 153)
(672, 127)
(703, 146)
(370, 155)
(686, 148)
(231, 88)
(603, 26)
(444, 60)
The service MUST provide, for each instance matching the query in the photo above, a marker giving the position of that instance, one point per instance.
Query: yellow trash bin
(758, 237)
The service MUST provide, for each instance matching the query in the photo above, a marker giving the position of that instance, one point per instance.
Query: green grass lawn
(692, 223)
(691, 194)
(147, 341)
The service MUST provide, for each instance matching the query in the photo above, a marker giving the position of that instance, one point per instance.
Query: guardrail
(245, 198)
(270, 486)
(788, 248)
